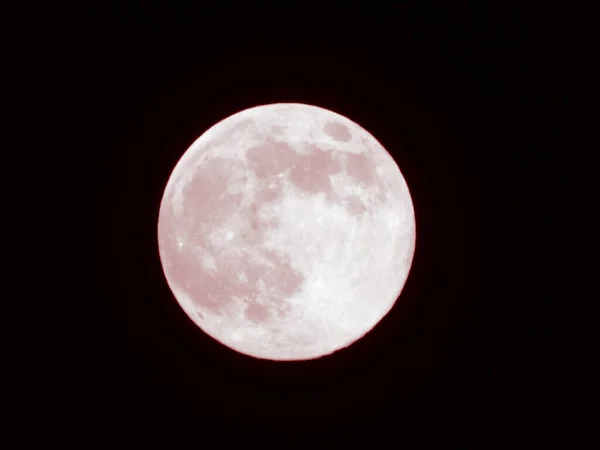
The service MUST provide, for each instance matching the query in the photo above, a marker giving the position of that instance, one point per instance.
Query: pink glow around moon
(286, 232)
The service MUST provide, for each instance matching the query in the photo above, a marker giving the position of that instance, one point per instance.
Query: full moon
(286, 232)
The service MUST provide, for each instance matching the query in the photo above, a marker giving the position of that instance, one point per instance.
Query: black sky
(457, 97)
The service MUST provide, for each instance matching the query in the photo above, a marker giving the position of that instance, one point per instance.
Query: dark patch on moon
(312, 172)
(256, 313)
(281, 282)
(253, 233)
(355, 206)
(282, 278)
(362, 168)
(269, 192)
(270, 158)
(215, 289)
(202, 202)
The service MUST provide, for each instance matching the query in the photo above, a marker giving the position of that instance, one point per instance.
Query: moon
(286, 232)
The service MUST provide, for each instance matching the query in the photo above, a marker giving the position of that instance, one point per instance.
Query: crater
(337, 131)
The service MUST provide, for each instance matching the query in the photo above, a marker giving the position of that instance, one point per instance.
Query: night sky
(457, 96)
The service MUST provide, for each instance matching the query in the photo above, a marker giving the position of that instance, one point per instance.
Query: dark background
(464, 98)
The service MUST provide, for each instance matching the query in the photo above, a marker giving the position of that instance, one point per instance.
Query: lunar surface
(286, 232)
